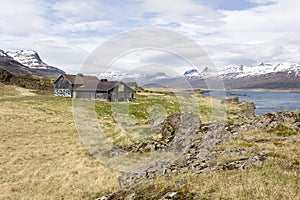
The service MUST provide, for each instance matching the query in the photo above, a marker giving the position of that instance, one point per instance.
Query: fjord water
(268, 101)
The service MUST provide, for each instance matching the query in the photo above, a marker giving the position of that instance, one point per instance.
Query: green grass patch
(246, 144)
(277, 155)
(282, 130)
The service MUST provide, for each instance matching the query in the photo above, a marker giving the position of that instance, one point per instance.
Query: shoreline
(263, 90)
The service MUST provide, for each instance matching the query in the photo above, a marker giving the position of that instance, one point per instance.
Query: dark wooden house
(92, 88)
(65, 84)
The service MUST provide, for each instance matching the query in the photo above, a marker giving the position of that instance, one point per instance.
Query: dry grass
(269, 182)
(42, 156)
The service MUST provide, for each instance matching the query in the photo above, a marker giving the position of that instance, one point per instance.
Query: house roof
(98, 86)
(90, 83)
(79, 79)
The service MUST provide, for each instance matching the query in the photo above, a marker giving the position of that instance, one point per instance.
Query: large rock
(179, 123)
(180, 129)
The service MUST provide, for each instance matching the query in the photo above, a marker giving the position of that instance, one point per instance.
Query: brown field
(42, 156)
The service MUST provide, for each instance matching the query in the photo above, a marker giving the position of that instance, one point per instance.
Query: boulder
(230, 100)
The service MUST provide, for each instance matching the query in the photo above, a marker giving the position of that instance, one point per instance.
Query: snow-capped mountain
(243, 71)
(27, 62)
(205, 73)
(265, 75)
(115, 76)
(137, 77)
(28, 58)
(261, 69)
(157, 76)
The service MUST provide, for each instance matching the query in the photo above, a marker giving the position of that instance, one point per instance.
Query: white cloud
(264, 1)
(147, 46)
(186, 16)
(68, 28)
(22, 18)
(57, 52)
(258, 34)
(182, 10)
(87, 26)
(78, 10)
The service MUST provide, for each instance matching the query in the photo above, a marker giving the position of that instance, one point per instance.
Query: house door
(113, 97)
(109, 97)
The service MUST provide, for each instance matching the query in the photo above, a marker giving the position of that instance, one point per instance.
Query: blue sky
(232, 32)
(234, 4)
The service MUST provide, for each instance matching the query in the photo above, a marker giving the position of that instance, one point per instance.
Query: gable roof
(79, 79)
(98, 86)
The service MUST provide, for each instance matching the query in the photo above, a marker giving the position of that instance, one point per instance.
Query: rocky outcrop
(230, 100)
(247, 109)
(197, 155)
(5, 76)
(200, 156)
(190, 141)
(276, 119)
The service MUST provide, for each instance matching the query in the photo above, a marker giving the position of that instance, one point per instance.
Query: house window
(121, 88)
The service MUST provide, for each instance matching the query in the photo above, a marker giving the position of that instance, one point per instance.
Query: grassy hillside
(25, 80)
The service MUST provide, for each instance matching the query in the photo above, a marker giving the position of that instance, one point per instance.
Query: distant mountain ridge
(254, 70)
(27, 62)
(264, 68)
(283, 75)
(138, 77)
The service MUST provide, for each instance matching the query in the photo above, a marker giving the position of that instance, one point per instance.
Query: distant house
(81, 86)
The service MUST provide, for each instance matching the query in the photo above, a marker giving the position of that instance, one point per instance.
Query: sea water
(265, 101)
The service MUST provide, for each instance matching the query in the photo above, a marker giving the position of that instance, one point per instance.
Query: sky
(231, 32)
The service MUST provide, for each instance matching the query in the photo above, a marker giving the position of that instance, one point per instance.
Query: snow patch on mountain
(2, 53)
(158, 76)
(192, 72)
(28, 58)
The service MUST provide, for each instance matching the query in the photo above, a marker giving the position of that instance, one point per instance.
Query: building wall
(62, 88)
(121, 93)
(102, 95)
(85, 95)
